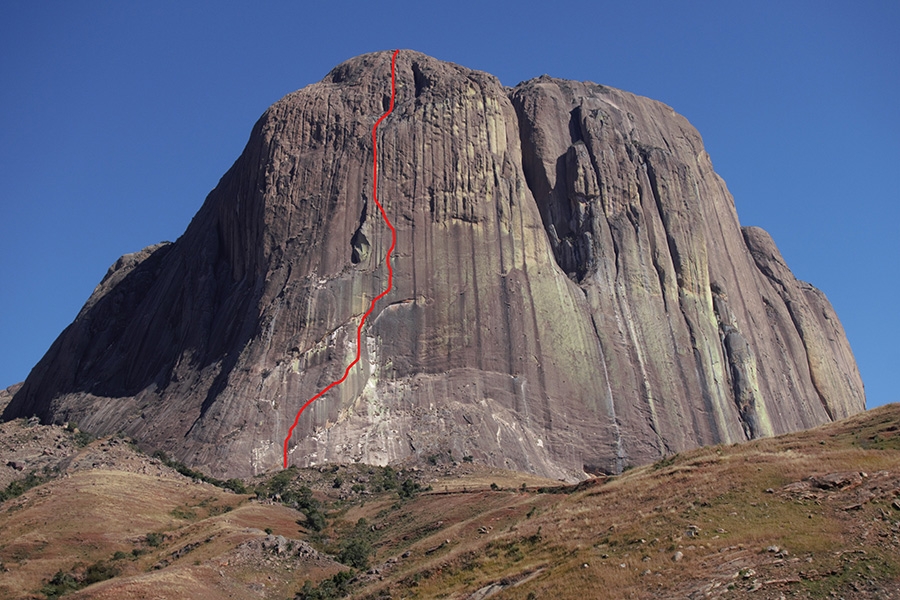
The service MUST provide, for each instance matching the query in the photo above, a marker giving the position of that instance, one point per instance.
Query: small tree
(236, 485)
(409, 488)
(355, 552)
(356, 549)
(315, 520)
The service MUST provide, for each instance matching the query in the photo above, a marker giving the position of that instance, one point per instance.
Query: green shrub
(357, 547)
(236, 485)
(20, 486)
(99, 571)
(83, 438)
(280, 483)
(385, 479)
(330, 589)
(183, 513)
(666, 461)
(409, 488)
(301, 499)
(315, 520)
(61, 583)
(355, 552)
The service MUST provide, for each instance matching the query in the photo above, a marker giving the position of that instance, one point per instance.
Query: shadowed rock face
(573, 292)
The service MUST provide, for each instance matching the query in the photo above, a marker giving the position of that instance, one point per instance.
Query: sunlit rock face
(573, 292)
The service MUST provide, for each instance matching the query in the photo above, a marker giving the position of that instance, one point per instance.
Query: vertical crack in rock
(420, 79)
(742, 368)
(359, 243)
(563, 203)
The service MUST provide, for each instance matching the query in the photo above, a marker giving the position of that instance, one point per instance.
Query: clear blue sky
(117, 118)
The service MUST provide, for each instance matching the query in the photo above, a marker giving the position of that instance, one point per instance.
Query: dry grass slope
(808, 515)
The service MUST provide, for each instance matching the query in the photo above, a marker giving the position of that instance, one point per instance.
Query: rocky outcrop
(7, 395)
(572, 292)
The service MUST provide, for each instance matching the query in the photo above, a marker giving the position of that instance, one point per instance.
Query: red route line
(387, 261)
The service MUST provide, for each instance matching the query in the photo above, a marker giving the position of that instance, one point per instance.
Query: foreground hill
(573, 292)
(807, 515)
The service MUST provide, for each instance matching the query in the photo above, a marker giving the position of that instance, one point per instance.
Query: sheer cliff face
(573, 292)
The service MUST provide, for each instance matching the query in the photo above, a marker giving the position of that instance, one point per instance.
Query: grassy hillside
(808, 515)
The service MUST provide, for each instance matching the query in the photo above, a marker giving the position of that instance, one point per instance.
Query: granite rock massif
(573, 292)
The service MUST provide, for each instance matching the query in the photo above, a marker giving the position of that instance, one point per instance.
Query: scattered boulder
(837, 481)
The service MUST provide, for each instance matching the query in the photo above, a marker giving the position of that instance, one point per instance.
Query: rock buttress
(703, 341)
